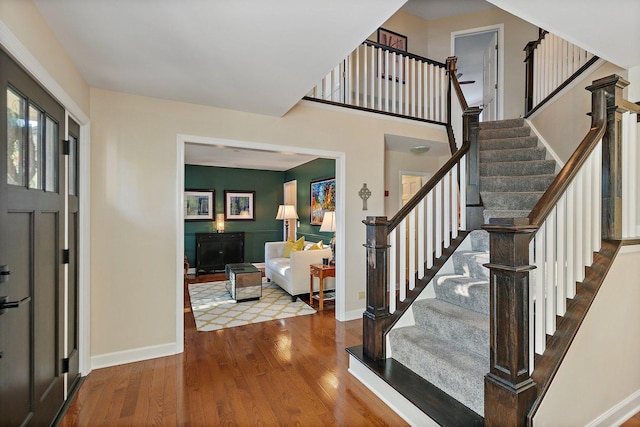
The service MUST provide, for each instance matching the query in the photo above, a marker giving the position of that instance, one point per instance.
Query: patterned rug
(214, 309)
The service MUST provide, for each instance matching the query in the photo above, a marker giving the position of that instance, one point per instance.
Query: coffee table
(244, 282)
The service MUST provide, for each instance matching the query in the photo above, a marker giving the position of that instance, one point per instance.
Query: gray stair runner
(449, 342)
(514, 172)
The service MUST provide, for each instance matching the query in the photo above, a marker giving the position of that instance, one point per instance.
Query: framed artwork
(395, 41)
(323, 198)
(239, 205)
(198, 205)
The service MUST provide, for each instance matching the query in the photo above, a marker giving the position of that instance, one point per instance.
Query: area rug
(214, 309)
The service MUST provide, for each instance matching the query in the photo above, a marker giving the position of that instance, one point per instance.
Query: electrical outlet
(361, 295)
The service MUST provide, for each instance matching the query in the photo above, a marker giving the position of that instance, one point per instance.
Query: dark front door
(31, 242)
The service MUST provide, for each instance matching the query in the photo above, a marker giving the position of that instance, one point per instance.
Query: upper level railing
(380, 78)
(551, 64)
(403, 253)
(535, 262)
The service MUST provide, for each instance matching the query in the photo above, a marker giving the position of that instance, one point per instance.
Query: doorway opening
(480, 68)
(340, 173)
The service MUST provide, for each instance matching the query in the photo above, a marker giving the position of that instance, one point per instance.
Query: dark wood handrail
(430, 185)
(403, 53)
(456, 86)
(565, 177)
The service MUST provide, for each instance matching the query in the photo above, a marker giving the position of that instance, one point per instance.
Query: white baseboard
(619, 413)
(394, 400)
(353, 314)
(135, 355)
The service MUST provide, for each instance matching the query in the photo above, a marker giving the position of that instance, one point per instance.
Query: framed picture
(323, 198)
(239, 205)
(395, 41)
(198, 205)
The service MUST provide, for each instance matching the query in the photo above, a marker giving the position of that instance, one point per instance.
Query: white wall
(602, 367)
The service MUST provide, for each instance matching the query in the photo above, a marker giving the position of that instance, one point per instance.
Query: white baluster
(402, 258)
(380, 78)
(365, 76)
(394, 76)
(579, 229)
(540, 274)
(561, 256)
(430, 233)
(463, 193)
(596, 200)
(413, 87)
(438, 205)
(420, 92)
(412, 249)
(550, 279)
(446, 210)
(421, 240)
(570, 241)
(454, 202)
(393, 262)
(586, 206)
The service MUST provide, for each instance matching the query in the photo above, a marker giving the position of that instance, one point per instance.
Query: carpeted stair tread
(511, 200)
(479, 240)
(513, 155)
(471, 263)
(500, 133)
(532, 167)
(468, 329)
(508, 123)
(516, 183)
(466, 292)
(508, 143)
(442, 363)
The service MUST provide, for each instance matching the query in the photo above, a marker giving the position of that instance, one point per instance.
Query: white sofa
(292, 274)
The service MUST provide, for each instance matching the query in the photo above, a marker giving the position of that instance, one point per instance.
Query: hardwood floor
(282, 372)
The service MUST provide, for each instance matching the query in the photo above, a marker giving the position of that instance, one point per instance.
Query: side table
(320, 271)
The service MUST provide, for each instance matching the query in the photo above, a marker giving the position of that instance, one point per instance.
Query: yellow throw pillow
(316, 246)
(292, 246)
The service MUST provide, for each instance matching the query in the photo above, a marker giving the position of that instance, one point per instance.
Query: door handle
(4, 304)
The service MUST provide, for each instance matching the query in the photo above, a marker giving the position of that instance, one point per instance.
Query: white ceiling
(263, 56)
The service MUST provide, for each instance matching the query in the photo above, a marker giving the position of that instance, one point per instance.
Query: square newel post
(611, 88)
(509, 389)
(376, 316)
(470, 129)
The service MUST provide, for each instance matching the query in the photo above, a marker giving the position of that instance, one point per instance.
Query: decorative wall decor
(198, 205)
(323, 198)
(364, 194)
(395, 41)
(238, 205)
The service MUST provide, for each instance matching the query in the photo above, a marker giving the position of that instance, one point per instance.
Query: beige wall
(24, 20)
(414, 27)
(602, 366)
(564, 123)
(134, 197)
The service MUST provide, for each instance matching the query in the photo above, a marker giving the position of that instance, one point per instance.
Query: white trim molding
(619, 413)
(134, 355)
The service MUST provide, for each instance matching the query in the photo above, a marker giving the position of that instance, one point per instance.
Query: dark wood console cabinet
(215, 250)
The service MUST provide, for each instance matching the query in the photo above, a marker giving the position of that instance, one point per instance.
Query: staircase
(513, 171)
(448, 345)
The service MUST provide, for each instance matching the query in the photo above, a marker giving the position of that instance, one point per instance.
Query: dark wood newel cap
(512, 225)
(611, 80)
(376, 220)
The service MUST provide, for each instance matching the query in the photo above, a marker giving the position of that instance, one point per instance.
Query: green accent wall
(268, 186)
(304, 174)
(269, 194)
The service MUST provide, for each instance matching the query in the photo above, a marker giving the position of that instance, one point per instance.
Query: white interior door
(490, 80)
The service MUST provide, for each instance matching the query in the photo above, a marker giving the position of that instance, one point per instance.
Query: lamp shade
(220, 222)
(328, 222)
(287, 212)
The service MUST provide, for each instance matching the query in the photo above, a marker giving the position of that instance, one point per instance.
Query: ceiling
(263, 56)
